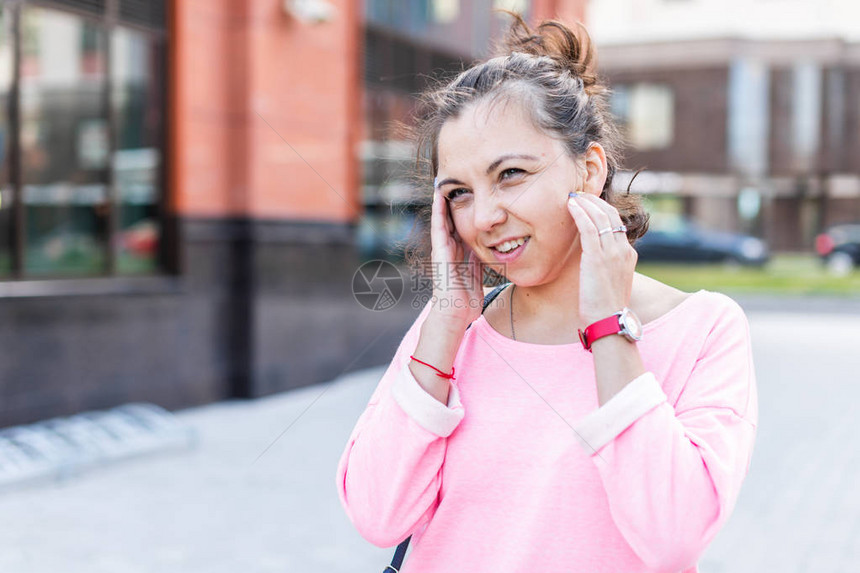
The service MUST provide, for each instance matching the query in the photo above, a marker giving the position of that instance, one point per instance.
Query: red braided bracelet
(438, 372)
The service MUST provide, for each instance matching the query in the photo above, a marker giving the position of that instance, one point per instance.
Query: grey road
(222, 508)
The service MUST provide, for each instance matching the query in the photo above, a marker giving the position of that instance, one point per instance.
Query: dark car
(680, 240)
(839, 248)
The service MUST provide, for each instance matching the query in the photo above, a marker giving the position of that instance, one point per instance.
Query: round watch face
(631, 323)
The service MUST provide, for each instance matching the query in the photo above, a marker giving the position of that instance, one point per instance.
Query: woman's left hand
(608, 260)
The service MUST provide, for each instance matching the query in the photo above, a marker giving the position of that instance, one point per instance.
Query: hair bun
(572, 50)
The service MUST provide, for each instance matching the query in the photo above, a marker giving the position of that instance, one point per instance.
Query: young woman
(507, 441)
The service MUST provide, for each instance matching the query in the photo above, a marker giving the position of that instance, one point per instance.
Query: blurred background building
(188, 186)
(746, 113)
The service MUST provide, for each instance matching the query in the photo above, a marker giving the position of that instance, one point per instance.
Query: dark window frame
(108, 20)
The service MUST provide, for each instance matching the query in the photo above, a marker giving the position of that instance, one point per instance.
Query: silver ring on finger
(618, 229)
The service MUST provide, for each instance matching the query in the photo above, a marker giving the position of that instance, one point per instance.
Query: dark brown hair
(550, 69)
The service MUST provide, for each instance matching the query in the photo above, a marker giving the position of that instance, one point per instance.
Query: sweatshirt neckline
(484, 325)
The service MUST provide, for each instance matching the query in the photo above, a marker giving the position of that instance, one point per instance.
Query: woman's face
(505, 180)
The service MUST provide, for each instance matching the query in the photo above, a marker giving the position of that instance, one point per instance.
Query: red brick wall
(567, 10)
(264, 111)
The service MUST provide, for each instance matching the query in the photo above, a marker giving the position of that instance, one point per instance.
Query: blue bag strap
(397, 560)
(491, 296)
(400, 552)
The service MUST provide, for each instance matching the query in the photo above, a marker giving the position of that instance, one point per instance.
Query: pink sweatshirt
(522, 471)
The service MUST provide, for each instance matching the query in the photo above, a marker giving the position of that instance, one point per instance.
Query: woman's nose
(488, 210)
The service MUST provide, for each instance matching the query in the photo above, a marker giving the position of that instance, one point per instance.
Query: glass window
(64, 144)
(518, 6)
(137, 109)
(6, 195)
(81, 153)
(806, 113)
(749, 110)
(620, 104)
(646, 113)
(445, 11)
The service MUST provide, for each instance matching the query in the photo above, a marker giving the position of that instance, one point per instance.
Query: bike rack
(61, 447)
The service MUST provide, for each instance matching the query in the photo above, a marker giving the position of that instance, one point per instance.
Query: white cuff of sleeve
(634, 400)
(424, 409)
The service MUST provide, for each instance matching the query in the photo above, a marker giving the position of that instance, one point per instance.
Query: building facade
(186, 187)
(745, 114)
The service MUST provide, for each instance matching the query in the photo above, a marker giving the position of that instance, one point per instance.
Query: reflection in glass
(64, 143)
(137, 111)
(645, 114)
(6, 205)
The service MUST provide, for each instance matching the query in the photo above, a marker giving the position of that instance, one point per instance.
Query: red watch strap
(598, 330)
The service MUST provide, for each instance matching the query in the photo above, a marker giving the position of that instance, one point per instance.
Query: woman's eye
(511, 172)
(454, 193)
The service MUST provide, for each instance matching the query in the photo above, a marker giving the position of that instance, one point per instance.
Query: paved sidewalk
(215, 510)
(209, 510)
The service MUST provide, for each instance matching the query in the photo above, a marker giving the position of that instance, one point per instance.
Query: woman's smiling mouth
(510, 249)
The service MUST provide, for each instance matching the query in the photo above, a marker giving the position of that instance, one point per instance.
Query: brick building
(185, 183)
(744, 114)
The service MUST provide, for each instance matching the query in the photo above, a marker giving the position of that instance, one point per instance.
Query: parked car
(839, 248)
(680, 240)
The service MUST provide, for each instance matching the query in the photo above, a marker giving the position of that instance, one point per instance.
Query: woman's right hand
(457, 273)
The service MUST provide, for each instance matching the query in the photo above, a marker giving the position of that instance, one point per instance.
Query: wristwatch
(624, 322)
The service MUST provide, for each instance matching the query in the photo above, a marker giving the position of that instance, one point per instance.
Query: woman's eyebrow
(448, 181)
(499, 161)
(490, 169)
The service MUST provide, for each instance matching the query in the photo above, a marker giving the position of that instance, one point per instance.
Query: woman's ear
(595, 169)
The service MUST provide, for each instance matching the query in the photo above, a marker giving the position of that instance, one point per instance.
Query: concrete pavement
(222, 508)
